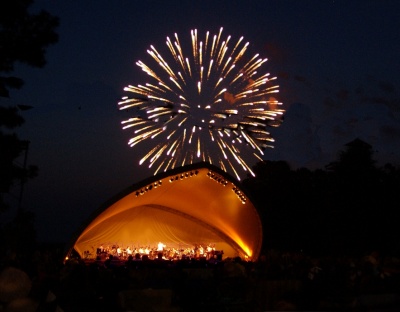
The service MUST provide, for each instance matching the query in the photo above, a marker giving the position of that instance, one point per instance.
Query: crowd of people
(279, 281)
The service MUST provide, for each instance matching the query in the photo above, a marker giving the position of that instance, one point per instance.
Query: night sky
(336, 62)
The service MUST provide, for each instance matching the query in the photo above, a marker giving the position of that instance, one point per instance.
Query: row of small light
(184, 176)
(148, 188)
(224, 182)
(240, 194)
(217, 178)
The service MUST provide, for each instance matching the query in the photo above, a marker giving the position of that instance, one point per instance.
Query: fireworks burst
(209, 104)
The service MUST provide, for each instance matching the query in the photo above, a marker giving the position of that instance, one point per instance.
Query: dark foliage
(24, 38)
(350, 207)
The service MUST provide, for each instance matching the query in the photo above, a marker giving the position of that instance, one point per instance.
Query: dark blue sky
(336, 61)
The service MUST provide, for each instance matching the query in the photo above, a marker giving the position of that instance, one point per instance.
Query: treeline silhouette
(349, 207)
(24, 38)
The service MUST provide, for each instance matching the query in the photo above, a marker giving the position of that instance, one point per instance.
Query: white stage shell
(195, 204)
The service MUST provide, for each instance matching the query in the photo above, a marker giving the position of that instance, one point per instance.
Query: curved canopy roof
(195, 204)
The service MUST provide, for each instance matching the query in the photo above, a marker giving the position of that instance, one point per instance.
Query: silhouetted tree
(11, 148)
(23, 39)
(272, 191)
(357, 184)
(356, 160)
(349, 207)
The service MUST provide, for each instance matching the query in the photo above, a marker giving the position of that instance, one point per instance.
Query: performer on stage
(129, 250)
(160, 247)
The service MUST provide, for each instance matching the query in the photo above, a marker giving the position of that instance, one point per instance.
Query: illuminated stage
(189, 206)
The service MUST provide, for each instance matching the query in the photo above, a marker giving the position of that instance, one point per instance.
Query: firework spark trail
(210, 104)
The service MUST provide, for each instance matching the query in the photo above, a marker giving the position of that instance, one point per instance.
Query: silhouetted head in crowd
(15, 288)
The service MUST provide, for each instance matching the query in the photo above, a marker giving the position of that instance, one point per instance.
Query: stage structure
(197, 204)
(201, 117)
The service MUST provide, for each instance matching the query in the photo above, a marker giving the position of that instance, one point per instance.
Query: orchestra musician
(129, 251)
(201, 251)
(160, 247)
(197, 251)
